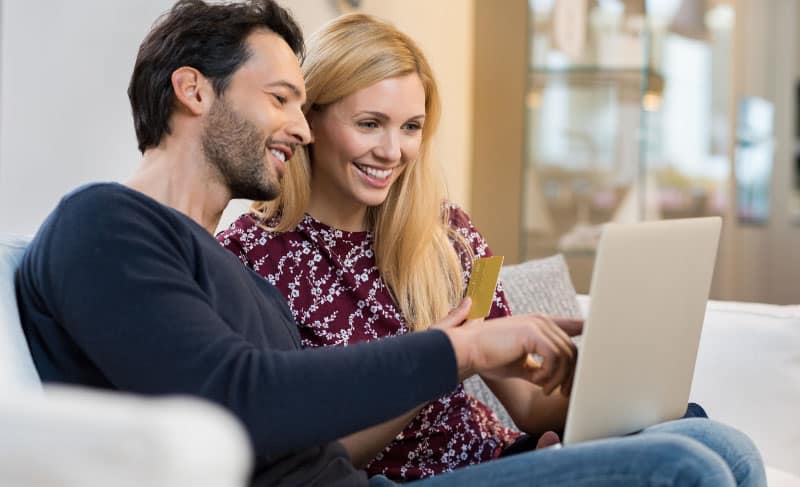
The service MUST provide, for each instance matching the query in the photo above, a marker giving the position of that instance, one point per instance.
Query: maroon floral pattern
(338, 297)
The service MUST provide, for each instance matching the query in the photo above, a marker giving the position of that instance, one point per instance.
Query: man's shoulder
(107, 206)
(105, 198)
(108, 215)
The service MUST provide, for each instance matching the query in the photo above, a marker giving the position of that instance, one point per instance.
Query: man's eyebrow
(294, 89)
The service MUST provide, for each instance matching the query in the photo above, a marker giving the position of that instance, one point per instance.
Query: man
(125, 288)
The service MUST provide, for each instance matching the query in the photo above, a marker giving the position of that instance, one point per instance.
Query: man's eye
(279, 98)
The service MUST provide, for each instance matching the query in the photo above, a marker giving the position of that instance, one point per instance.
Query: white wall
(64, 115)
(311, 14)
(64, 69)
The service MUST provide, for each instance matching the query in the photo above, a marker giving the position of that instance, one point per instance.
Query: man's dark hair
(207, 37)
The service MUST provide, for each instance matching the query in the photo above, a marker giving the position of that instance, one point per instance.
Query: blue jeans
(684, 452)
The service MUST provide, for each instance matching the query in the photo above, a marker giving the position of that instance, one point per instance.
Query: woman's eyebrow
(383, 116)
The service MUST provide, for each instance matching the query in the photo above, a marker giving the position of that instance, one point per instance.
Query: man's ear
(192, 90)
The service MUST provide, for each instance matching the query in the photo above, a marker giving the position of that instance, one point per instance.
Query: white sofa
(747, 375)
(75, 437)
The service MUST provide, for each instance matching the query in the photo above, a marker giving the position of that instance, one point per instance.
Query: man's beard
(236, 148)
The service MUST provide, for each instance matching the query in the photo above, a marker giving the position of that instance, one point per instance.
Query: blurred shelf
(598, 75)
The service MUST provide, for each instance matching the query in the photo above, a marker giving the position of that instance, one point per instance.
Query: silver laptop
(648, 298)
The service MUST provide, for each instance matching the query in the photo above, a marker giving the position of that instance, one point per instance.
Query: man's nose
(298, 129)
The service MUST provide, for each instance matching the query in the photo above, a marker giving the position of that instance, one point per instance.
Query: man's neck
(177, 176)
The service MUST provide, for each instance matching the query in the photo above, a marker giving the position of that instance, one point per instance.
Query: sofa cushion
(16, 364)
(540, 286)
(748, 375)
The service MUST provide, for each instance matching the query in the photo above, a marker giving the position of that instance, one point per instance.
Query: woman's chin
(373, 197)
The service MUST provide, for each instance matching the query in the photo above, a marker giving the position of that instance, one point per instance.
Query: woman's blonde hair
(412, 236)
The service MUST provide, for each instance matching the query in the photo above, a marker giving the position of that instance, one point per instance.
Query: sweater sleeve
(119, 278)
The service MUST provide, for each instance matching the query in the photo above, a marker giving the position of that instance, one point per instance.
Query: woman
(362, 246)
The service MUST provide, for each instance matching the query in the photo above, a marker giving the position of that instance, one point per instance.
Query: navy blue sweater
(118, 291)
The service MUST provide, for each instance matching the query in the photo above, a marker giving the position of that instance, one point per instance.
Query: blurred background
(558, 116)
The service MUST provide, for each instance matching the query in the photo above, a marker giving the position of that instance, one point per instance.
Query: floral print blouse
(338, 297)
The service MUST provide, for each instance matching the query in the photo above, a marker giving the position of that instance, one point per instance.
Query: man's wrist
(462, 349)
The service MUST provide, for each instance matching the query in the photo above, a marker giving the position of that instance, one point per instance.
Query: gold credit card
(482, 283)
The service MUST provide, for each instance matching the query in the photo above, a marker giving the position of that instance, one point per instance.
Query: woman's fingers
(456, 316)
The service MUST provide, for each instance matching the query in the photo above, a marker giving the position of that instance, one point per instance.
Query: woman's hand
(457, 316)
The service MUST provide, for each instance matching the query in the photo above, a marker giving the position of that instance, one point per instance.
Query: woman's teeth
(375, 173)
(280, 155)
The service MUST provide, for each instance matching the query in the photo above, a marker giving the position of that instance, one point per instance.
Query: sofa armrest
(16, 365)
(77, 437)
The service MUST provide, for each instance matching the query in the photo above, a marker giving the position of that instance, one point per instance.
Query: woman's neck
(339, 213)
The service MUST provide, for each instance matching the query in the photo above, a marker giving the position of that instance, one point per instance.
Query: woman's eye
(412, 127)
(368, 124)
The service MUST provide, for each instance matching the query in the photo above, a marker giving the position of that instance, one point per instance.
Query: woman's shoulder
(460, 222)
(250, 237)
(247, 226)
(251, 230)
(457, 217)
